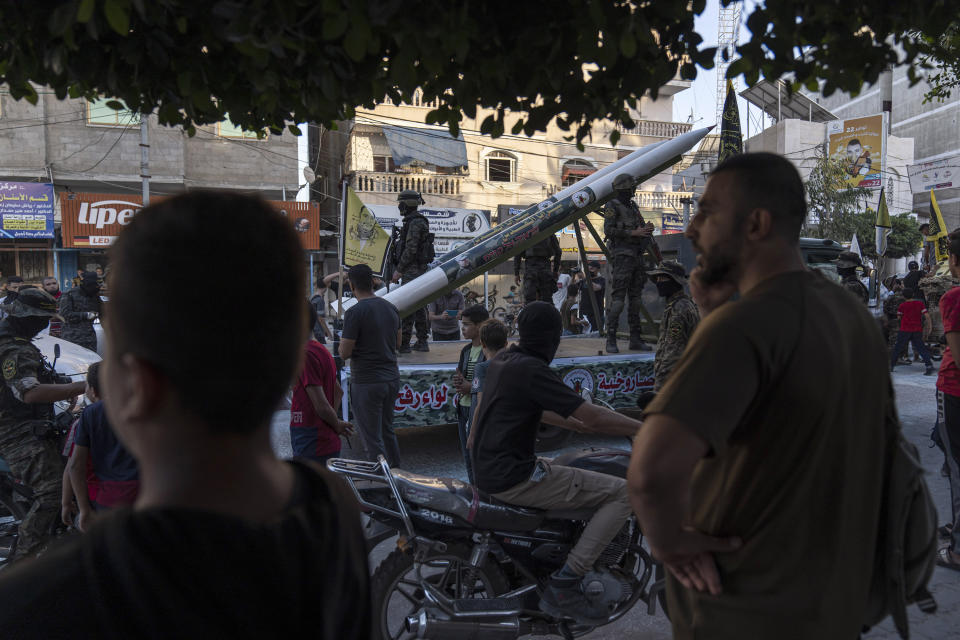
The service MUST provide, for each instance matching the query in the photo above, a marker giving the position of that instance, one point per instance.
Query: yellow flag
(938, 231)
(363, 240)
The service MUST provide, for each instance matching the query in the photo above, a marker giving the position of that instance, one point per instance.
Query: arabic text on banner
(364, 240)
(26, 210)
(939, 174)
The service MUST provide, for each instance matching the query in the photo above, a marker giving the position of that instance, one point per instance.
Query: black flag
(731, 142)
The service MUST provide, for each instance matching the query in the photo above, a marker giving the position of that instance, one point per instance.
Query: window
(99, 113)
(383, 164)
(501, 167)
(575, 170)
(227, 129)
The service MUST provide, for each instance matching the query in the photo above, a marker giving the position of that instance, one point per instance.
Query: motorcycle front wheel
(396, 593)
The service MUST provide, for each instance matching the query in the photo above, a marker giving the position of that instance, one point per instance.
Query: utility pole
(145, 158)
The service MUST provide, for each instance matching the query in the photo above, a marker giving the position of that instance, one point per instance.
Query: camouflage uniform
(27, 437)
(854, 286)
(628, 274)
(75, 305)
(680, 318)
(539, 279)
(410, 265)
(890, 306)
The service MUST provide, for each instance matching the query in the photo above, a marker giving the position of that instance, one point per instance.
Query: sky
(701, 97)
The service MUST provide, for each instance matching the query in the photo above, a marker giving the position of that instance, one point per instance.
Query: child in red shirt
(914, 328)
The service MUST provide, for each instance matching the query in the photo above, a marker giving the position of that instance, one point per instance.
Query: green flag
(882, 226)
(731, 142)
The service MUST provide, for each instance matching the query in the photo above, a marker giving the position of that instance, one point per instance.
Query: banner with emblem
(731, 141)
(362, 240)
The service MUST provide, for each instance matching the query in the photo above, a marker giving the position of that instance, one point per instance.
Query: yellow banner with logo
(362, 239)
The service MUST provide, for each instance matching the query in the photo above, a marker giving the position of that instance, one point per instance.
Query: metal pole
(778, 102)
(686, 212)
(145, 158)
(591, 294)
(597, 238)
(486, 293)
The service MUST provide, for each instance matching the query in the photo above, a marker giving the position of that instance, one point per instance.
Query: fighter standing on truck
(628, 236)
(539, 279)
(412, 253)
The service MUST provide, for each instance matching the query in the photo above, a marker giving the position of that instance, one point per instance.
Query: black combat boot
(404, 348)
(421, 345)
(637, 344)
(612, 343)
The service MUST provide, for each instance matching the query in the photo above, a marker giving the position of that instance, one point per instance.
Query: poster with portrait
(858, 144)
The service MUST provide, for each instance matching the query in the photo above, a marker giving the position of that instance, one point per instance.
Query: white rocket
(501, 243)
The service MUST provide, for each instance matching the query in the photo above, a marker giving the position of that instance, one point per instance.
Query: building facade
(92, 153)
(390, 149)
(934, 127)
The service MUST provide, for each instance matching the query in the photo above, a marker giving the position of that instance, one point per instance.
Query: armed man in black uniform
(413, 254)
(27, 436)
(539, 279)
(628, 236)
(79, 307)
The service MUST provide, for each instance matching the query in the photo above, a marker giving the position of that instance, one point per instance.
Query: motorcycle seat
(465, 501)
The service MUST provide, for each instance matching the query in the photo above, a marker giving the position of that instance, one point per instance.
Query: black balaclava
(540, 328)
(667, 288)
(847, 272)
(89, 285)
(625, 196)
(28, 326)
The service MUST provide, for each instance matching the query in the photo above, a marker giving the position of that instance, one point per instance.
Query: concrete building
(934, 126)
(502, 174)
(88, 148)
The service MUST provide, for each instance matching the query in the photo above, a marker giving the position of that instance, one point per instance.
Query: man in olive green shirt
(758, 472)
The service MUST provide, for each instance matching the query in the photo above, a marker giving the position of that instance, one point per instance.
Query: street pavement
(435, 451)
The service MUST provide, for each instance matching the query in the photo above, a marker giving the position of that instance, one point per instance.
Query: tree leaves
(118, 15)
(85, 10)
(272, 62)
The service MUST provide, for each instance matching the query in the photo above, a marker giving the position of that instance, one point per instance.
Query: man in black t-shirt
(370, 340)
(520, 391)
(224, 540)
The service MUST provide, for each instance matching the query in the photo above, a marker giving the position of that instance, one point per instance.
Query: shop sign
(94, 220)
(26, 210)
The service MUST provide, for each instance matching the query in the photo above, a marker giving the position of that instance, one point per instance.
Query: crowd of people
(77, 308)
(789, 371)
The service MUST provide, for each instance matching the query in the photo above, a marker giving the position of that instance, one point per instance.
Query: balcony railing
(368, 181)
(667, 200)
(656, 129)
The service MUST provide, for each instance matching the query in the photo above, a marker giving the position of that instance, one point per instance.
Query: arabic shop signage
(426, 396)
(96, 219)
(26, 210)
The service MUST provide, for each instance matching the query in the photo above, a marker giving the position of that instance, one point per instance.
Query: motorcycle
(467, 565)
